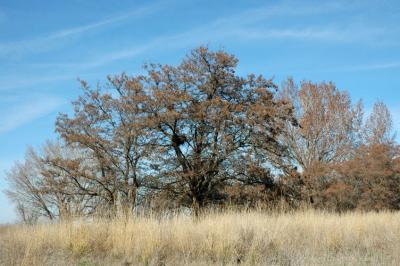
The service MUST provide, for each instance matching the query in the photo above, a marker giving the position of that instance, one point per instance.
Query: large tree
(206, 119)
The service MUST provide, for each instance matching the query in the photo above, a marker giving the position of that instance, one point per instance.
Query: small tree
(379, 125)
(42, 189)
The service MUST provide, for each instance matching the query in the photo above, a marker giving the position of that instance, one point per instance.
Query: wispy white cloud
(354, 68)
(44, 42)
(27, 111)
(287, 9)
(246, 26)
(11, 83)
(239, 27)
(215, 33)
(373, 66)
(309, 33)
(229, 26)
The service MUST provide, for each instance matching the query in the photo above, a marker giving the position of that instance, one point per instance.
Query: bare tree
(329, 124)
(41, 190)
(329, 131)
(379, 125)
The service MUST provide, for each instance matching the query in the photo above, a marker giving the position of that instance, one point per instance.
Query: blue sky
(46, 45)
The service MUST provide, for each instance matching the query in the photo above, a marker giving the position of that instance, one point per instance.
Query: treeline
(198, 135)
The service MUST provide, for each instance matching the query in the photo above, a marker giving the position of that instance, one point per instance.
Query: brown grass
(230, 238)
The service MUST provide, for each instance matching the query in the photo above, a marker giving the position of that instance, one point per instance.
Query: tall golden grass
(227, 238)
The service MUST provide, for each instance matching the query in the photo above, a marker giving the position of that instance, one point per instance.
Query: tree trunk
(195, 207)
(129, 201)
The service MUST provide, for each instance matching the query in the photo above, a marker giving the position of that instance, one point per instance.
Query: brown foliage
(109, 126)
(205, 118)
(177, 132)
(372, 178)
(199, 134)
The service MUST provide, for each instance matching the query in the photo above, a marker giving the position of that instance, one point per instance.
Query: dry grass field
(230, 238)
